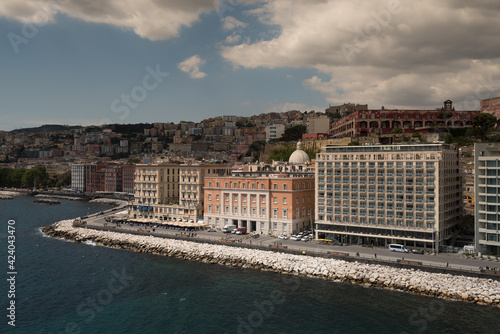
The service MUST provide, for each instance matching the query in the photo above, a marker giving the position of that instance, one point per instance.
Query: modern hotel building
(382, 194)
(487, 197)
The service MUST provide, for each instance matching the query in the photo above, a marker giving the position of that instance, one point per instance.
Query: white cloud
(233, 39)
(151, 19)
(192, 67)
(230, 23)
(391, 53)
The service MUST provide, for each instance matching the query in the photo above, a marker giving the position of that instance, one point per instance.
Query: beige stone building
(168, 191)
(382, 194)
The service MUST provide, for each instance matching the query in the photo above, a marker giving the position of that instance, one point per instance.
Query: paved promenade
(441, 260)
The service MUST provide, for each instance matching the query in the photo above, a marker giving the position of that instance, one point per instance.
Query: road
(441, 260)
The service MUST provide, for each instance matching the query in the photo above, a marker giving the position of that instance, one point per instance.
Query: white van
(398, 248)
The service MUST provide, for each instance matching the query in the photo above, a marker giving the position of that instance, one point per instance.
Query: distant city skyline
(76, 63)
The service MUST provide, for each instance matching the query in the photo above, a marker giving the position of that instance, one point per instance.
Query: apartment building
(168, 191)
(382, 194)
(487, 197)
(78, 177)
(278, 204)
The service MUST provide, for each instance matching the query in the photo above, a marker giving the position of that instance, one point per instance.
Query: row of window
(236, 185)
(253, 211)
(375, 164)
(373, 221)
(253, 197)
(382, 173)
(380, 206)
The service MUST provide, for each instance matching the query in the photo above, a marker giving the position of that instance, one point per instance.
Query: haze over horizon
(82, 63)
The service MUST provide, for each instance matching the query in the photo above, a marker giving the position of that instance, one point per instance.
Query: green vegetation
(483, 124)
(312, 152)
(294, 133)
(397, 130)
(283, 152)
(134, 161)
(34, 177)
(255, 150)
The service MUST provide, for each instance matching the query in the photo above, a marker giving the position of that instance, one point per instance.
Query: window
(263, 212)
(275, 213)
(217, 197)
(209, 197)
(209, 208)
(275, 186)
(284, 186)
(285, 213)
(209, 184)
(275, 200)
(253, 199)
(263, 200)
(284, 200)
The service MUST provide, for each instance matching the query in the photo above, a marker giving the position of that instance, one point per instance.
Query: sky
(83, 62)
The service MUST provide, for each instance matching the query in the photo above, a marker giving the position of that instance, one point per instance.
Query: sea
(67, 287)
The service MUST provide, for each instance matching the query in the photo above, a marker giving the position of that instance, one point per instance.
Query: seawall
(446, 286)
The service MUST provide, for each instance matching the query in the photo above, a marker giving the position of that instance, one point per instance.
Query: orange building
(274, 205)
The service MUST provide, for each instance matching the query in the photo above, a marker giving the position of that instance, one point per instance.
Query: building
(382, 194)
(169, 191)
(363, 123)
(128, 178)
(320, 124)
(345, 109)
(491, 106)
(113, 179)
(272, 205)
(274, 132)
(487, 197)
(78, 177)
(275, 198)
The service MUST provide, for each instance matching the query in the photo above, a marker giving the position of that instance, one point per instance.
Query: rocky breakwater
(47, 201)
(446, 286)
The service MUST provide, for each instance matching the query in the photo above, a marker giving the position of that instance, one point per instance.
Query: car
(238, 232)
(305, 239)
(234, 231)
(283, 237)
(295, 237)
(337, 243)
(211, 230)
(416, 251)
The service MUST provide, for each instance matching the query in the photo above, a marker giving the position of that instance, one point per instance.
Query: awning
(139, 207)
(150, 208)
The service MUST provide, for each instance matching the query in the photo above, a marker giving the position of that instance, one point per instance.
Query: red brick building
(362, 123)
(491, 106)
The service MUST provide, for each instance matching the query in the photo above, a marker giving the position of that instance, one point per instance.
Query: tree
(294, 133)
(483, 124)
(35, 177)
(397, 130)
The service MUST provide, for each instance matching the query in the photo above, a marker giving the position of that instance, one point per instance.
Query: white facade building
(382, 194)
(487, 197)
(78, 177)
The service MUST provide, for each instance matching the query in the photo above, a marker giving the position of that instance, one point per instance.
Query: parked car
(295, 237)
(283, 237)
(211, 230)
(234, 231)
(305, 239)
(238, 232)
(417, 251)
(337, 243)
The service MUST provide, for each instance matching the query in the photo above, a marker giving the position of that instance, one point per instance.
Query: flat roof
(385, 148)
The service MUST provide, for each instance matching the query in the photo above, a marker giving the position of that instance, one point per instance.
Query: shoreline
(446, 286)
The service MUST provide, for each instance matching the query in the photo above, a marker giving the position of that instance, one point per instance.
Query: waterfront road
(442, 260)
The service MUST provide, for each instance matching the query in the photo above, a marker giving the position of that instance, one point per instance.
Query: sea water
(66, 287)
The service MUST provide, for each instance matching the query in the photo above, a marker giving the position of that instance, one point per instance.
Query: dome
(299, 156)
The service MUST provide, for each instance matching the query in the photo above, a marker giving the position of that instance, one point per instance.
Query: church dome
(299, 156)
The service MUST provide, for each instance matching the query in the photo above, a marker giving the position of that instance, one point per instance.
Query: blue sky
(238, 57)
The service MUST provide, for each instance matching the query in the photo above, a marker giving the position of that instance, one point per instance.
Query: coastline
(451, 287)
